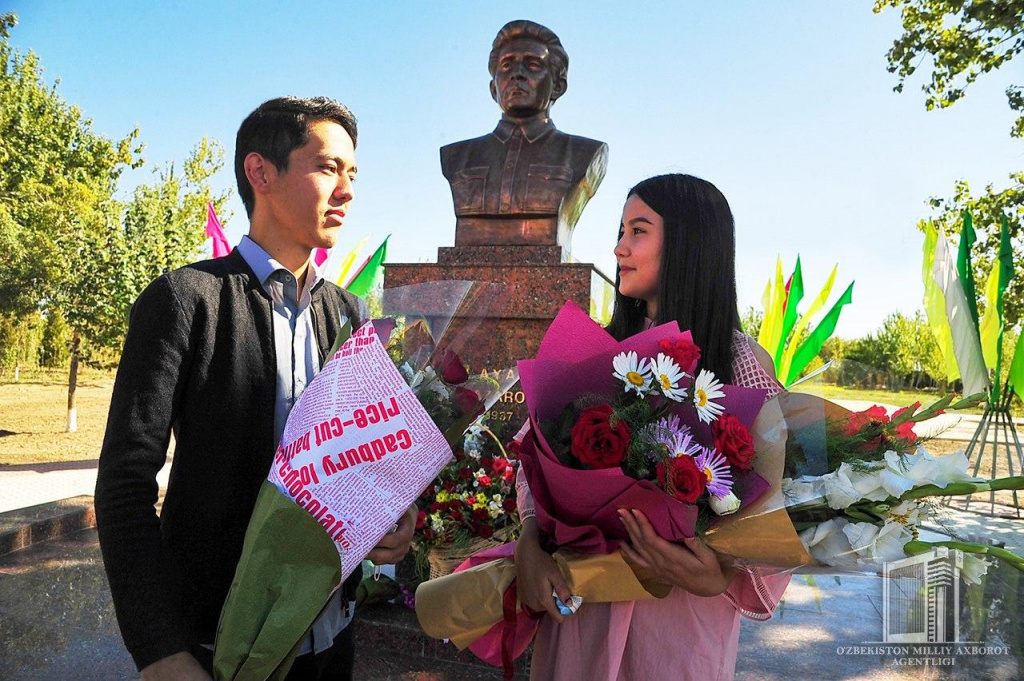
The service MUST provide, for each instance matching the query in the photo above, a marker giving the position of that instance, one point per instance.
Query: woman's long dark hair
(698, 269)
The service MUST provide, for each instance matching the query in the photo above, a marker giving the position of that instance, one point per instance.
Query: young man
(218, 352)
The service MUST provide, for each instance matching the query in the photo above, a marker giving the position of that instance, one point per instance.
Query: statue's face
(523, 82)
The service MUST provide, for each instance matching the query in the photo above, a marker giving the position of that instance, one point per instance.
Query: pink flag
(320, 256)
(216, 232)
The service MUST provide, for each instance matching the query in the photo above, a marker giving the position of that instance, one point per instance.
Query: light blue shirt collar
(264, 265)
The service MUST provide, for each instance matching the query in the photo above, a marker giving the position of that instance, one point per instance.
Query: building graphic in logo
(921, 598)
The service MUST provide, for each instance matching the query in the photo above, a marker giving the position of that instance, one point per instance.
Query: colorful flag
(810, 348)
(992, 322)
(787, 369)
(935, 306)
(965, 334)
(771, 325)
(963, 264)
(366, 278)
(350, 258)
(1016, 377)
(320, 256)
(216, 232)
(794, 294)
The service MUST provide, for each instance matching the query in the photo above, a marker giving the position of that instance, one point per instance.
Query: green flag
(1016, 377)
(793, 298)
(805, 320)
(812, 346)
(963, 265)
(935, 305)
(364, 280)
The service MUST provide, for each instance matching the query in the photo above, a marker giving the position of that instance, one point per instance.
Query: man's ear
(260, 172)
(559, 88)
(494, 91)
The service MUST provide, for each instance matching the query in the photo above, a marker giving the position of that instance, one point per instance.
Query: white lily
(904, 472)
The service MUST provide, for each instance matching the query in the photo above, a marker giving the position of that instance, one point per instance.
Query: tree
(963, 39)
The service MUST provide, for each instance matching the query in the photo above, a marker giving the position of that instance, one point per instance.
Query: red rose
(421, 520)
(734, 441)
(509, 505)
(596, 442)
(428, 534)
(429, 492)
(466, 473)
(485, 480)
(499, 464)
(470, 501)
(508, 474)
(450, 367)
(435, 507)
(487, 463)
(449, 486)
(467, 401)
(685, 353)
(680, 477)
(485, 531)
(480, 514)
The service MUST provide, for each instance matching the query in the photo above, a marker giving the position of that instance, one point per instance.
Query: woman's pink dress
(679, 637)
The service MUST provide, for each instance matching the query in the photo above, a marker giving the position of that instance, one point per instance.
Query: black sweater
(199, 359)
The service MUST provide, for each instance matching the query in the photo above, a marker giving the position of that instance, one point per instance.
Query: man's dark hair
(279, 126)
(522, 28)
(698, 269)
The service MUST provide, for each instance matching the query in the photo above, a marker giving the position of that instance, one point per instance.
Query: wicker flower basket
(444, 559)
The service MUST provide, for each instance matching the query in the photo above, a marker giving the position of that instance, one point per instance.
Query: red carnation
(470, 501)
(421, 520)
(435, 507)
(450, 367)
(466, 473)
(480, 514)
(487, 463)
(508, 474)
(685, 353)
(499, 464)
(680, 477)
(485, 531)
(509, 505)
(596, 442)
(485, 480)
(734, 441)
(449, 486)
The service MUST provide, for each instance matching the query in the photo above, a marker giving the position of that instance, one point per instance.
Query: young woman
(676, 261)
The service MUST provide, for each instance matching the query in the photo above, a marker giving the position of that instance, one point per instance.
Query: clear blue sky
(787, 107)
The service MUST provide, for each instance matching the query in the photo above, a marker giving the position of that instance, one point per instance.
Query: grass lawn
(900, 398)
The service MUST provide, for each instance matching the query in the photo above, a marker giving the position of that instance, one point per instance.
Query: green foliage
(987, 210)
(68, 247)
(751, 321)
(54, 351)
(903, 352)
(20, 336)
(960, 39)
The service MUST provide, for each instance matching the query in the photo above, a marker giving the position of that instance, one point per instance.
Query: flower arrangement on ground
(470, 505)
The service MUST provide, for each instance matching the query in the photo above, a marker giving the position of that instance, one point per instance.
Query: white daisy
(635, 373)
(668, 375)
(706, 389)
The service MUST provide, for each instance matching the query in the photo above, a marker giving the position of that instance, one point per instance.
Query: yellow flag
(350, 259)
(990, 321)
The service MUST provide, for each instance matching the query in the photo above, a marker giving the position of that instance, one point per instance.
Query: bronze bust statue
(526, 182)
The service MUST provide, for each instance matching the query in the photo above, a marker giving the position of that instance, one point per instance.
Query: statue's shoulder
(581, 143)
(458, 154)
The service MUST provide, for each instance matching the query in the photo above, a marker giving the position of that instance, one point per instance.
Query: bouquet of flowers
(614, 425)
(470, 505)
(367, 435)
(872, 493)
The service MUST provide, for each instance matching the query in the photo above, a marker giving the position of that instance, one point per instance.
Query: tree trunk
(76, 342)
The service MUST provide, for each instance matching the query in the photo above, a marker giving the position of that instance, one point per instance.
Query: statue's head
(528, 67)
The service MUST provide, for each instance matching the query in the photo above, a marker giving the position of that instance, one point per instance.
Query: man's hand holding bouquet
(367, 435)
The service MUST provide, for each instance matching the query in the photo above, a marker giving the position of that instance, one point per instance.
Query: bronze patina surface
(526, 182)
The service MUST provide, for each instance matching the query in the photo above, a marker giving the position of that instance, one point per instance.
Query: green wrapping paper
(276, 595)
